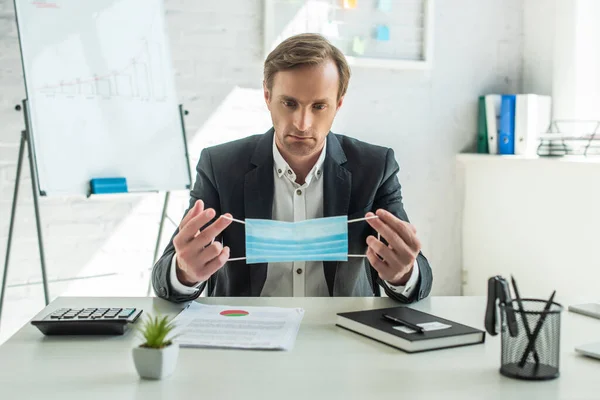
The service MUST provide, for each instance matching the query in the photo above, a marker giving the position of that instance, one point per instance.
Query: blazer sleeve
(205, 188)
(389, 197)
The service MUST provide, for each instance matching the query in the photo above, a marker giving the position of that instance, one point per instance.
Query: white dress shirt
(294, 202)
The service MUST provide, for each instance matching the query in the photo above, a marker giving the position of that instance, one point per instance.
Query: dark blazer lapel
(258, 199)
(336, 194)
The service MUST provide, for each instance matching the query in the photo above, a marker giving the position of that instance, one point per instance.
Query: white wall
(561, 57)
(538, 46)
(426, 117)
(576, 83)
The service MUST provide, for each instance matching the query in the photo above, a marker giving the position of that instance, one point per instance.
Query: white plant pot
(155, 363)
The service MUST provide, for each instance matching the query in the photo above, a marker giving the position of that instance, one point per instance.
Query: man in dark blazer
(298, 170)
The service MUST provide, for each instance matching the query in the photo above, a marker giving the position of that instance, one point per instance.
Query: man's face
(303, 103)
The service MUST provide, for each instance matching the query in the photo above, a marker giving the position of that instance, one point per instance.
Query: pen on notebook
(405, 323)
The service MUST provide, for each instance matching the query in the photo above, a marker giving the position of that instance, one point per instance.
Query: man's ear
(339, 103)
(267, 94)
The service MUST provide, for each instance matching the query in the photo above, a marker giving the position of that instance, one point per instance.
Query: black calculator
(88, 321)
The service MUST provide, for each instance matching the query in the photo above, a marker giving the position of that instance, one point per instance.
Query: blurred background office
(476, 215)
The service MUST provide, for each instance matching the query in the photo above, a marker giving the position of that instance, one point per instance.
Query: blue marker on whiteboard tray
(108, 185)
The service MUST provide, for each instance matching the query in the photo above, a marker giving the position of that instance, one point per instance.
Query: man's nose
(303, 119)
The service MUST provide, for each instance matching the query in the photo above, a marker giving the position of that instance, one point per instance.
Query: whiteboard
(101, 95)
(353, 26)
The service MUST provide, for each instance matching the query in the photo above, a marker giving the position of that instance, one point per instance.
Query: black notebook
(439, 333)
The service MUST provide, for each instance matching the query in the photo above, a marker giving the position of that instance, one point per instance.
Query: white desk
(327, 361)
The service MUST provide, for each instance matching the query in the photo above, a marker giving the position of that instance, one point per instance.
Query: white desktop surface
(327, 361)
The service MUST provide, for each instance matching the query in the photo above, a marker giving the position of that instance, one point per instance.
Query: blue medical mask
(320, 239)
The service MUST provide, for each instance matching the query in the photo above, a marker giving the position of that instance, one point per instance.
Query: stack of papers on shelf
(238, 327)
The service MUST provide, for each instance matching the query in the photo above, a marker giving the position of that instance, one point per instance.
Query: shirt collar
(282, 167)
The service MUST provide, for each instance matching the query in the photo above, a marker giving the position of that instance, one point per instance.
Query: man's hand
(395, 261)
(198, 255)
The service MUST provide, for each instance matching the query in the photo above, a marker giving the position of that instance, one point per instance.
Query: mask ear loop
(239, 221)
(359, 220)
(350, 222)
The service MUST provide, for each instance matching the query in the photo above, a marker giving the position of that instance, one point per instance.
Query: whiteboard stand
(25, 139)
(164, 215)
(157, 246)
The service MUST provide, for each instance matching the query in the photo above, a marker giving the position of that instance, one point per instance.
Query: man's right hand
(198, 255)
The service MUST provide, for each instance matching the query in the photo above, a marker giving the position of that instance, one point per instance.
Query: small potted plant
(156, 357)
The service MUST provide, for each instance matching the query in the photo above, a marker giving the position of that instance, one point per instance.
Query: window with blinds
(375, 33)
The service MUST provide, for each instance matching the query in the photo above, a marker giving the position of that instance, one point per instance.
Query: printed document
(239, 327)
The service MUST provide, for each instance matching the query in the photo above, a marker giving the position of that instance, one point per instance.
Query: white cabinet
(535, 218)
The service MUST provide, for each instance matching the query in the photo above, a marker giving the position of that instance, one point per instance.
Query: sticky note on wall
(382, 33)
(384, 5)
(359, 45)
(349, 4)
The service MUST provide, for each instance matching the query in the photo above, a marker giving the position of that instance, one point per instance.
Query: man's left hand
(394, 261)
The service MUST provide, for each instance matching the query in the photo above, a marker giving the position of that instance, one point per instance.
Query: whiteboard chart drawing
(134, 81)
(101, 94)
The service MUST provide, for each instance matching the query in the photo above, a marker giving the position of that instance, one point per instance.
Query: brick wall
(217, 55)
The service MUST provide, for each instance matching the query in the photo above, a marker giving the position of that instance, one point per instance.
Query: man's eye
(320, 106)
(289, 104)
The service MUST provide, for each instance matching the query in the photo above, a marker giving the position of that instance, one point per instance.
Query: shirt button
(279, 171)
(289, 171)
(319, 173)
(299, 271)
(299, 192)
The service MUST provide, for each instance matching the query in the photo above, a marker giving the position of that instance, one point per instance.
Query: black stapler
(499, 293)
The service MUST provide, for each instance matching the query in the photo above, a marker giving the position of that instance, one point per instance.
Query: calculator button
(58, 314)
(112, 313)
(126, 313)
(71, 314)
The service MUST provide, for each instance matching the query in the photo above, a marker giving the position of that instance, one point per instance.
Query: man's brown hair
(306, 49)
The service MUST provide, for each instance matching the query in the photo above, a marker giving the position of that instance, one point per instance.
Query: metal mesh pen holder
(531, 351)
